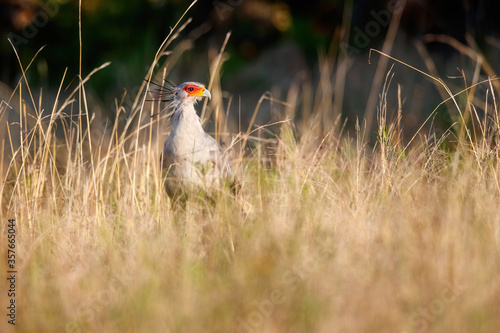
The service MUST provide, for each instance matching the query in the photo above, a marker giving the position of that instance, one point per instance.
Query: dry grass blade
(441, 82)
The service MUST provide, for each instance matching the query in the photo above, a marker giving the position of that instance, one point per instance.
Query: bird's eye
(190, 89)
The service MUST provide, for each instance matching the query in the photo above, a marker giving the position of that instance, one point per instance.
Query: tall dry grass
(328, 234)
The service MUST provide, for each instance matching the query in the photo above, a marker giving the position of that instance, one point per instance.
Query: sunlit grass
(328, 233)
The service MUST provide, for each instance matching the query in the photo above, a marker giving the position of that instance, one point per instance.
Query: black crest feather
(163, 92)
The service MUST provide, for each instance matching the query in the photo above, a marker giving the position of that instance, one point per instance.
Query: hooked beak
(206, 93)
(203, 92)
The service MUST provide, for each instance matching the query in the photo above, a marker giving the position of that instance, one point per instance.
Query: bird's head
(187, 93)
(190, 91)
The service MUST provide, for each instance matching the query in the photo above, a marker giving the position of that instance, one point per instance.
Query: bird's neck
(185, 115)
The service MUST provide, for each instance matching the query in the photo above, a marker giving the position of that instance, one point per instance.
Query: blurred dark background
(272, 44)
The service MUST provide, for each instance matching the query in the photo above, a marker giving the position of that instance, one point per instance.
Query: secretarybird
(192, 161)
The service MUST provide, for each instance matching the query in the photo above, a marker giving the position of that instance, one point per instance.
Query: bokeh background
(358, 236)
(273, 45)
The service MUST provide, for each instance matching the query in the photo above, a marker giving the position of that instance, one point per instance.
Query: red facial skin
(194, 90)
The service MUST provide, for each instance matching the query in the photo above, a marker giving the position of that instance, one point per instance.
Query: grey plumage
(192, 160)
